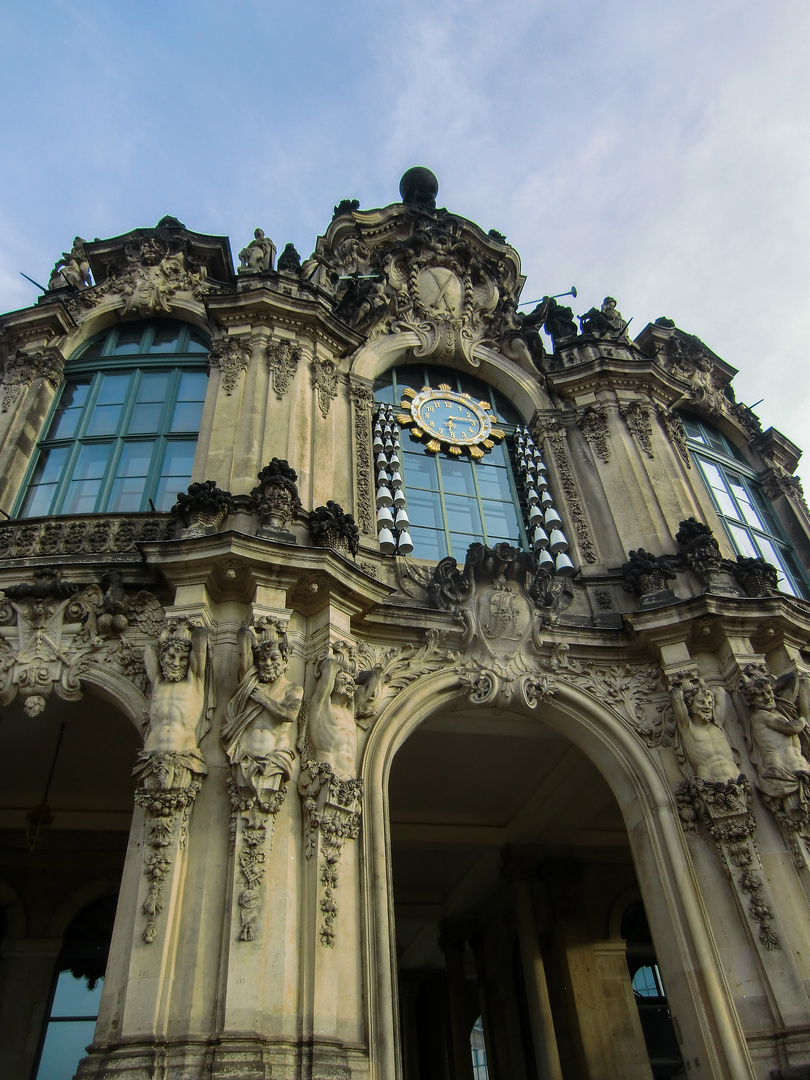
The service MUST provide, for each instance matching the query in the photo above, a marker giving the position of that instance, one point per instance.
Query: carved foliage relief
(553, 430)
(23, 367)
(283, 359)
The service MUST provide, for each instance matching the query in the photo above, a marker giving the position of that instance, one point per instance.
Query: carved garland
(674, 431)
(23, 367)
(325, 381)
(637, 417)
(231, 355)
(593, 424)
(282, 362)
(554, 432)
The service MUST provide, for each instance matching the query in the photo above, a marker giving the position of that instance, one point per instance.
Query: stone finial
(755, 576)
(331, 528)
(419, 187)
(646, 576)
(202, 509)
(276, 496)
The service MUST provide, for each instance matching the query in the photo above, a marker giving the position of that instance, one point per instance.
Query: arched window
(740, 501)
(74, 1005)
(648, 990)
(453, 501)
(123, 432)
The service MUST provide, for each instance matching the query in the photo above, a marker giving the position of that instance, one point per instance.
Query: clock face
(449, 420)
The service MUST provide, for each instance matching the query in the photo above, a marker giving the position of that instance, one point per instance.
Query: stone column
(545, 1041)
(452, 940)
(26, 978)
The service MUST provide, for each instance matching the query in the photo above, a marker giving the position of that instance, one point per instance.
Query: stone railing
(94, 534)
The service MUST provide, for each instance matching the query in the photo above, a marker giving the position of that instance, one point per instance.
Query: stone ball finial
(419, 187)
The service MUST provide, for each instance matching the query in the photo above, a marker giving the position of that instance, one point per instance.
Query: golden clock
(449, 421)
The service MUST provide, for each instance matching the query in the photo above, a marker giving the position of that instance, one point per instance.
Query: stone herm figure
(338, 700)
(778, 718)
(259, 253)
(703, 740)
(256, 733)
(176, 669)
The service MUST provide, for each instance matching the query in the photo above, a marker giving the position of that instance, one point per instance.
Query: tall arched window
(124, 429)
(453, 501)
(741, 503)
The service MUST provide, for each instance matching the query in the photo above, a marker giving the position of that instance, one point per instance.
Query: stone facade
(346, 801)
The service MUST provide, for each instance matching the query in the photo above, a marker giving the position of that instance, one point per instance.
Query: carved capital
(593, 423)
(231, 355)
(637, 417)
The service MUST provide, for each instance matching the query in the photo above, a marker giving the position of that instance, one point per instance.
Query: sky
(653, 150)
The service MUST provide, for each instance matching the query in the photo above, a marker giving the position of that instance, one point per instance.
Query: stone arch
(520, 387)
(14, 910)
(117, 690)
(711, 1027)
(78, 899)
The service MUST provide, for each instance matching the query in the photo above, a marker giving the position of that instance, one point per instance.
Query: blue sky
(650, 149)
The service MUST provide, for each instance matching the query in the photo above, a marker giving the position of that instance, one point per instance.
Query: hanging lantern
(405, 543)
(557, 542)
(564, 566)
(387, 545)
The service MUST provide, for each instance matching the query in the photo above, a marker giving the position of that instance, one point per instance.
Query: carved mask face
(174, 659)
(344, 684)
(271, 664)
(702, 707)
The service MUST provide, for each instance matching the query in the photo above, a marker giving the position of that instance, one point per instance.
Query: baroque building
(395, 683)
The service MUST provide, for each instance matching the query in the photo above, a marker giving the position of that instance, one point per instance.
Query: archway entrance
(511, 871)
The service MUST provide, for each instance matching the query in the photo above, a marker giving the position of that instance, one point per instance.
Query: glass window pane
(66, 417)
(92, 461)
(145, 419)
(428, 544)
(166, 336)
(463, 515)
(742, 541)
(749, 513)
(193, 385)
(692, 428)
(129, 339)
(493, 483)
(154, 386)
(113, 390)
(65, 1046)
(135, 459)
(187, 416)
(198, 342)
(425, 508)
(126, 495)
(73, 997)
(459, 542)
(457, 476)
(501, 520)
(419, 470)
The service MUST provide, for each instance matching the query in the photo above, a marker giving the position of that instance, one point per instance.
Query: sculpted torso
(332, 726)
(177, 703)
(704, 743)
(281, 701)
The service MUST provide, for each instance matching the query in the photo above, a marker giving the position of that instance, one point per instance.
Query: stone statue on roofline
(258, 255)
(72, 269)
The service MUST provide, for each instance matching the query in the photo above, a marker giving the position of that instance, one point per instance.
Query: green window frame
(747, 516)
(453, 501)
(122, 434)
